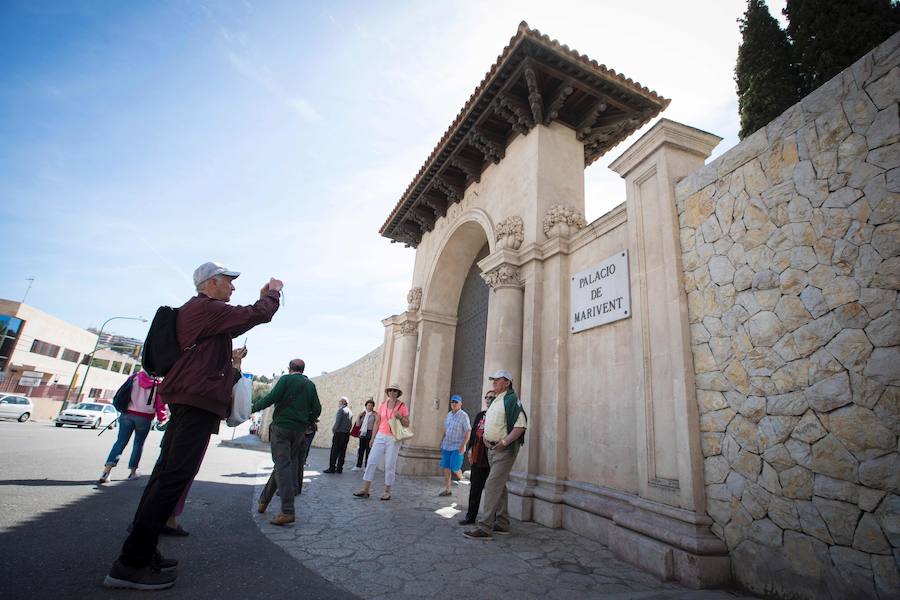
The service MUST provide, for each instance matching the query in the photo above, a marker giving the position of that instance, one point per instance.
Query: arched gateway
(590, 319)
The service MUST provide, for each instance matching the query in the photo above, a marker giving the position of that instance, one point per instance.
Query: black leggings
(362, 457)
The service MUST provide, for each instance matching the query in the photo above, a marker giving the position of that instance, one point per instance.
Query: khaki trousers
(494, 496)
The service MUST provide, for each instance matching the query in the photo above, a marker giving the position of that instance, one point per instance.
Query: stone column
(404, 362)
(503, 340)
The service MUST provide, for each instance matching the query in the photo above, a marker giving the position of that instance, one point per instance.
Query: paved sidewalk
(412, 547)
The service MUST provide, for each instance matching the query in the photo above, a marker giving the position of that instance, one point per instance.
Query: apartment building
(43, 356)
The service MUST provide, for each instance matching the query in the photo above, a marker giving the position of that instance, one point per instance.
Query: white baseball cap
(501, 374)
(211, 269)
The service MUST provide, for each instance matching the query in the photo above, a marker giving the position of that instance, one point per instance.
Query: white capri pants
(387, 448)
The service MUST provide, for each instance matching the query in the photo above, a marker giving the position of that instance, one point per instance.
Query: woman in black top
(481, 468)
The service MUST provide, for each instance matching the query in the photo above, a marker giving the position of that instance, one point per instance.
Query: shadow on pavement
(66, 552)
(46, 482)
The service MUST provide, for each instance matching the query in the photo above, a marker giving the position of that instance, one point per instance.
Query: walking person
(384, 445)
(310, 435)
(343, 423)
(504, 425)
(480, 468)
(296, 406)
(457, 430)
(198, 389)
(366, 422)
(144, 404)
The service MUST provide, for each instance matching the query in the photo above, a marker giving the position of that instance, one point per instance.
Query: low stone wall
(45, 409)
(791, 258)
(358, 381)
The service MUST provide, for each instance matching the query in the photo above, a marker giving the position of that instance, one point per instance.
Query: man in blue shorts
(457, 429)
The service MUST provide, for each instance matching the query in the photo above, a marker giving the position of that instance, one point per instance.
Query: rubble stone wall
(791, 258)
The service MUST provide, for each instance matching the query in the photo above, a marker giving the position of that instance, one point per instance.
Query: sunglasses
(489, 397)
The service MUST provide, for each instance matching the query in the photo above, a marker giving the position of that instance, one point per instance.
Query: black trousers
(362, 457)
(478, 476)
(183, 447)
(338, 450)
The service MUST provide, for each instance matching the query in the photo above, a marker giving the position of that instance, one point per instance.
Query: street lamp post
(96, 347)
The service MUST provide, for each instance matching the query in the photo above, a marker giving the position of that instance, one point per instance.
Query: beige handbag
(399, 432)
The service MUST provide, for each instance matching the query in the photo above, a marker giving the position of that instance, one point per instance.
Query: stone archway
(423, 348)
(467, 378)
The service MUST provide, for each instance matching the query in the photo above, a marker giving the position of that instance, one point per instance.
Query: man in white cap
(198, 389)
(504, 427)
(343, 423)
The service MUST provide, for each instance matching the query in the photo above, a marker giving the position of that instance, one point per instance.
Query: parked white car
(13, 406)
(88, 414)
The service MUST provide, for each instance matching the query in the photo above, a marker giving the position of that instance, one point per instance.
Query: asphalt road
(60, 532)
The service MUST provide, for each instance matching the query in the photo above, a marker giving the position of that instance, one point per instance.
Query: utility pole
(30, 281)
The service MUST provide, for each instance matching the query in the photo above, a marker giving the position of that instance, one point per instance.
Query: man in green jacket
(505, 423)
(296, 406)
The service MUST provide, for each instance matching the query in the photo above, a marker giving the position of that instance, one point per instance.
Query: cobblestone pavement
(412, 547)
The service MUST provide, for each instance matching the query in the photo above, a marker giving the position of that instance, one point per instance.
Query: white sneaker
(356, 469)
(133, 476)
(104, 477)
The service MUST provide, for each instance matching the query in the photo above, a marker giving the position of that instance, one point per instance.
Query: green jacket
(296, 402)
(512, 407)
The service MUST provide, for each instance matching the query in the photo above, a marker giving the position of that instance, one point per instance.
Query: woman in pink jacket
(144, 404)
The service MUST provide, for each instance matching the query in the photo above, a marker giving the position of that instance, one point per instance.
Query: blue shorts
(451, 459)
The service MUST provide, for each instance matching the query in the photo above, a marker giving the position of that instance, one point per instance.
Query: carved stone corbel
(510, 233)
(563, 221)
(414, 299)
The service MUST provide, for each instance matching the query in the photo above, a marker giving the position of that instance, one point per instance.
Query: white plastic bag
(240, 402)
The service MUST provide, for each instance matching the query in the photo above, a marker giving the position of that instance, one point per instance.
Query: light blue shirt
(456, 424)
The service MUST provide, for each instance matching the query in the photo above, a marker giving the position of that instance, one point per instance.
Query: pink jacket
(140, 403)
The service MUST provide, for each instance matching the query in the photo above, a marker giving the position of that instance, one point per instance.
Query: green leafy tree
(766, 80)
(829, 35)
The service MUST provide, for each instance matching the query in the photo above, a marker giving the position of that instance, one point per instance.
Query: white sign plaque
(601, 294)
(30, 379)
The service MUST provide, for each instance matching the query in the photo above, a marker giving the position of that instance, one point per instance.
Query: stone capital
(503, 276)
(409, 328)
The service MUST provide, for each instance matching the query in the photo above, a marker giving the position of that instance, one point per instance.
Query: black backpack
(123, 395)
(161, 348)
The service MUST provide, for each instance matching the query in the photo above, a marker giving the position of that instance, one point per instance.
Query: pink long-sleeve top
(141, 404)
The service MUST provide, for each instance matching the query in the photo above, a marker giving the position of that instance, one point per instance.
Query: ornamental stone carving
(563, 221)
(414, 298)
(503, 276)
(409, 328)
(510, 232)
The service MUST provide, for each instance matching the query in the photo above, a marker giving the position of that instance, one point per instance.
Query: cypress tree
(829, 35)
(765, 77)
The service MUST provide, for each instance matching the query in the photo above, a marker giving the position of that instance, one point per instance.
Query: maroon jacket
(203, 376)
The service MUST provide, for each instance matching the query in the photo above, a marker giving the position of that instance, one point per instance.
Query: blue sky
(140, 139)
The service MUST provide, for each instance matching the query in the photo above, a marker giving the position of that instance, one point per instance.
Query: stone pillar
(670, 464)
(503, 340)
(404, 360)
(429, 352)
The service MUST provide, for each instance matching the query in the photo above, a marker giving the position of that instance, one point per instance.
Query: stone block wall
(791, 258)
(358, 381)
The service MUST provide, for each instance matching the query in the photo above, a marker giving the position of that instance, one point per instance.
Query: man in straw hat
(504, 428)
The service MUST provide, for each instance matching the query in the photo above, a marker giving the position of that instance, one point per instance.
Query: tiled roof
(524, 33)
